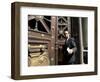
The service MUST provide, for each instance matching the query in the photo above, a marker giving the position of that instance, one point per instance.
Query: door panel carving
(38, 55)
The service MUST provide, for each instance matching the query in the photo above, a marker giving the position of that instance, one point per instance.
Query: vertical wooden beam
(69, 25)
(81, 39)
(53, 27)
(56, 42)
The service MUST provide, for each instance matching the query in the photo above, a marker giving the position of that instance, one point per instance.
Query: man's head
(66, 33)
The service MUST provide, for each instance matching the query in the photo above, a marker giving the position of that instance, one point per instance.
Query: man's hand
(70, 51)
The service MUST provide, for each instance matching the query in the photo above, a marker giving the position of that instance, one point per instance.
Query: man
(69, 49)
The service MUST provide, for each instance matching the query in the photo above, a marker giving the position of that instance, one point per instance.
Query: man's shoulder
(72, 39)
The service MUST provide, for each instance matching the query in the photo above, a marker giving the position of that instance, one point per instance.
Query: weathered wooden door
(41, 40)
(63, 23)
(73, 26)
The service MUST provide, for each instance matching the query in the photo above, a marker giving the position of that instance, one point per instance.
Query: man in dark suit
(69, 49)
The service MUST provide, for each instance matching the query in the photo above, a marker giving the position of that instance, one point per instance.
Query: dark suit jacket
(69, 58)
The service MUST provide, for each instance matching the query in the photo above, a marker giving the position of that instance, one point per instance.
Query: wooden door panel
(38, 35)
(41, 31)
(38, 54)
(63, 23)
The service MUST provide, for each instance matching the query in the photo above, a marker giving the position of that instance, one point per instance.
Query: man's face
(66, 34)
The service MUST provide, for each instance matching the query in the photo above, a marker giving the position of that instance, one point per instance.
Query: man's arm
(74, 48)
